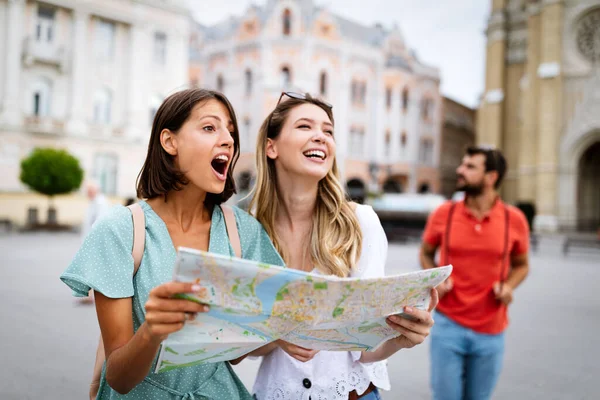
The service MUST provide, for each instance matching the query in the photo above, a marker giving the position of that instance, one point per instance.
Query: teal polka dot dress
(104, 263)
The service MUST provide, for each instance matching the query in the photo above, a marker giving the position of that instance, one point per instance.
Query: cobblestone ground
(48, 340)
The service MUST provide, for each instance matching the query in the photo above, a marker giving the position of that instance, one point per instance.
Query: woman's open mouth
(315, 155)
(219, 165)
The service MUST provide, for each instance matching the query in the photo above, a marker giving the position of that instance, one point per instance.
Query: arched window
(287, 22)
(102, 106)
(388, 97)
(405, 99)
(248, 75)
(286, 77)
(41, 97)
(323, 84)
(427, 109)
(220, 83)
(388, 141)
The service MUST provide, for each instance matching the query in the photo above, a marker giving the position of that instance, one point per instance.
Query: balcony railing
(47, 125)
(44, 53)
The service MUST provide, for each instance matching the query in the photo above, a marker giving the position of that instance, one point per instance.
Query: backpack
(139, 241)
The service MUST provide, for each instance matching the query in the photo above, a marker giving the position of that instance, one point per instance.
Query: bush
(51, 172)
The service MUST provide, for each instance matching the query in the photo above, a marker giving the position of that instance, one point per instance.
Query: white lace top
(330, 375)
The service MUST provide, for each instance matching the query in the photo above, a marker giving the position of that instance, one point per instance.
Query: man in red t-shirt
(487, 242)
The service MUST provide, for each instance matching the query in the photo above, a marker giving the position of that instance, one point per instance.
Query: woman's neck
(297, 201)
(183, 208)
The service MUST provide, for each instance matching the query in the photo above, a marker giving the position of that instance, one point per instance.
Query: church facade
(541, 107)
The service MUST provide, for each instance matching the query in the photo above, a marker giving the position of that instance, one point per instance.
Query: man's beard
(472, 190)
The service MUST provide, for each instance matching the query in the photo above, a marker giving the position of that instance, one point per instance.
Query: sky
(447, 34)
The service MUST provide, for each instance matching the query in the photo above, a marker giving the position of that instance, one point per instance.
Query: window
(363, 93)
(357, 136)
(403, 140)
(426, 151)
(246, 143)
(105, 40)
(287, 22)
(102, 106)
(388, 139)
(160, 48)
(323, 84)
(286, 78)
(220, 83)
(426, 109)
(44, 29)
(41, 96)
(359, 92)
(388, 97)
(405, 99)
(248, 82)
(105, 172)
(155, 103)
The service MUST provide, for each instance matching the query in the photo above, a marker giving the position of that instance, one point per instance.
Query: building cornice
(494, 96)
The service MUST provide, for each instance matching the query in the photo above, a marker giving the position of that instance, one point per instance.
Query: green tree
(51, 172)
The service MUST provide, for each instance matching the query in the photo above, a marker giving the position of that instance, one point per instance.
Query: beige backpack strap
(232, 231)
(139, 235)
(139, 241)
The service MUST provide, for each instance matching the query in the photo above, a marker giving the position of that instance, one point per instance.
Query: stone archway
(356, 190)
(588, 189)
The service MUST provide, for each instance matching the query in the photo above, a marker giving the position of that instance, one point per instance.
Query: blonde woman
(301, 204)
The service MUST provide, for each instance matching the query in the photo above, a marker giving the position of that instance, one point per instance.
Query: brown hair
(159, 175)
(336, 237)
(494, 161)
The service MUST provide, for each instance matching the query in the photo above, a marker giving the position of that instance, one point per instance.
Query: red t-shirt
(475, 250)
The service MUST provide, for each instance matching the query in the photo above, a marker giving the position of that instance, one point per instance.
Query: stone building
(86, 76)
(458, 133)
(387, 104)
(541, 106)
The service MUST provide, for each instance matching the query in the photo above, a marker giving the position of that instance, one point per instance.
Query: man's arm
(427, 256)
(518, 272)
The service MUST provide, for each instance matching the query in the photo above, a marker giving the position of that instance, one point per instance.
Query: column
(529, 129)
(550, 113)
(376, 138)
(138, 107)
(11, 113)
(76, 124)
(493, 102)
(413, 131)
(342, 129)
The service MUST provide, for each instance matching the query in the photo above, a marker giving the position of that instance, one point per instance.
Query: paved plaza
(48, 340)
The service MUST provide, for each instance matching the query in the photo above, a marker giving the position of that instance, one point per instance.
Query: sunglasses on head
(294, 95)
(299, 96)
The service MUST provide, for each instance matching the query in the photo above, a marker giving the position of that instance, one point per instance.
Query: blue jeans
(465, 365)
(374, 395)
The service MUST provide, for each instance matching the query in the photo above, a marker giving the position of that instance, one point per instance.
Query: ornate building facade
(541, 106)
(86, 76)
(387, 104)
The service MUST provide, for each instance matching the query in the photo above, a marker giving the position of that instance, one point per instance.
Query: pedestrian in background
(97, 206)
(487, 242)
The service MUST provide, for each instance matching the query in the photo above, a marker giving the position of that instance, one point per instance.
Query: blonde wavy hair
(336, 237)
